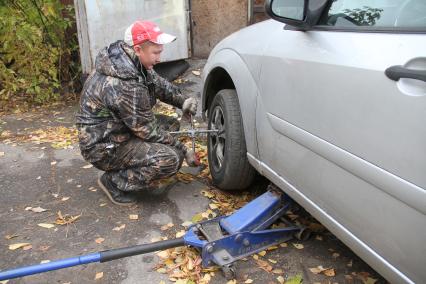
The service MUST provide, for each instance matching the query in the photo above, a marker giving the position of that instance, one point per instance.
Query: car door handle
(397, 72)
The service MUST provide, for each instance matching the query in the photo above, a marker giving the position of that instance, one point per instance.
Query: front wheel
(227, 152)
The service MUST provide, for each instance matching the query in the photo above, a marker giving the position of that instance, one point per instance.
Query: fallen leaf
(233, 281)
(102, 204)
(196, 72)
(248, 281)
(161, 270)
(99, 240)
(277, 271)
(369, 280)
(17, 246)
(213, 206)
(335, 255)
(283, 245)
(119, 228)
(264, 265)
(295, 279)
(318, 269)
(39, 177)
(272, 248)
(180, 234)
(255, 256)
(55, 195)
(44, 248)
(46, 225)
(298, 246)
(349, 264)
(329, 272)
(186, 224)
(65, 198)
(9, 237)
(133, 216)
(66, 219)
(1, 154)
(36, 209)
(53, 163)
(44, 261)
(262, 253)
(163, 254)
(272, 261)
(87, 166)
(166, 227)
(99, 275)
(319, 238)
(280, 279)
(27, 247)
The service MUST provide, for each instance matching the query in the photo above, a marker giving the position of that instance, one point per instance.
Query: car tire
(227, 151)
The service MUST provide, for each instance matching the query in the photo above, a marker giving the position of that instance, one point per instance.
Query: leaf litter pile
(59, 137)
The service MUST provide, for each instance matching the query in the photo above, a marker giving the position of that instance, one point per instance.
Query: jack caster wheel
(229, 272)
(303, 235)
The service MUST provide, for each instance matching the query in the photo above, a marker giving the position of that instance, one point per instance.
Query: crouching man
(118, 131)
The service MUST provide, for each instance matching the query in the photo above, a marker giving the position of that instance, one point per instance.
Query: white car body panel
(353, 158)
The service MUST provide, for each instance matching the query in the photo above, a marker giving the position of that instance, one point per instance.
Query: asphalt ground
(53, 176)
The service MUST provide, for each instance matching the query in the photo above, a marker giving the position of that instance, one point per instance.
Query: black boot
(116, 196)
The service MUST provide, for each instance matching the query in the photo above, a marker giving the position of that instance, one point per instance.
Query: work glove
(189, 106)
(192, 158)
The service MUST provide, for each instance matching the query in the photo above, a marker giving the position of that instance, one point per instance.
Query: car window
(376, 14)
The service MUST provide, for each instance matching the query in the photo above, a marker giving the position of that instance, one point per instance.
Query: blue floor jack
(222, 240)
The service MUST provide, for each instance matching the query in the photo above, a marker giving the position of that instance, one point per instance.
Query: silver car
(331, 107)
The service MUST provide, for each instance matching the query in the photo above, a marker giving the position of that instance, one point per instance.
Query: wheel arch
(227, 70)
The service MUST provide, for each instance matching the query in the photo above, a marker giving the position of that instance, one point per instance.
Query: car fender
(229, 61)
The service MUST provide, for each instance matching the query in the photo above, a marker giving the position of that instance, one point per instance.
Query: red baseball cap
(141, 31)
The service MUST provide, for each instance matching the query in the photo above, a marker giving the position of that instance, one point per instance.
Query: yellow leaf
(272, 248)
(99, 240)
(9, 237)
(87, 166)
(53, 163)
(119, 228)
(283, 245)
(329, 272)
(277, 271)
(233, 281)
(272, 261)
(196, 72)
(280, 279)
(65, 198)
(255, 256)
(161, 270)
(180, 234)
(163, 254)
(318, 269)
(298, 246)
(17, 246)
(133, 216)
(248, 281)
(99, 275)
(213, 206)
(262, 253)
(45, 225)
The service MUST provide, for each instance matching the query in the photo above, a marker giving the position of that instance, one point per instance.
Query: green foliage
(38, 51)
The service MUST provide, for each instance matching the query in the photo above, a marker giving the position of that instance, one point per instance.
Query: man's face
(149, 54)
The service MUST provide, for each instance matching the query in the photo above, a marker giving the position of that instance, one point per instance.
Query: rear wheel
(227, 152)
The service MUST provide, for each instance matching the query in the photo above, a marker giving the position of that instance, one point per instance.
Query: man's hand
(190, 106)
(192, 158)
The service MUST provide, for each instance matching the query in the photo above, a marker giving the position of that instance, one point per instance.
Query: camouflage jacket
(117, 100)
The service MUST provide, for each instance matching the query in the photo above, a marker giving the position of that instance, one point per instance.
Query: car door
(345, 137)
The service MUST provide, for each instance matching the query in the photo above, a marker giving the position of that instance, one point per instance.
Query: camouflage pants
(136, 164)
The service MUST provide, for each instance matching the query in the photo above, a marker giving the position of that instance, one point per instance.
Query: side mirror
(291, 12)
(302, 14)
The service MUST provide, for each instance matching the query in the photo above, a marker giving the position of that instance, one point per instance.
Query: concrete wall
(214, 20)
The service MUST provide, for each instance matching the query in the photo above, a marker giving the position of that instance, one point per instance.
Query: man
(118, 132)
